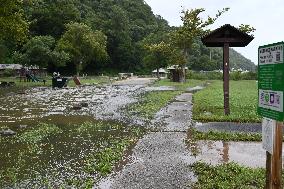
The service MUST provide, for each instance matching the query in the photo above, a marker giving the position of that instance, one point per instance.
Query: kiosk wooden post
(226, 36)
(277, 158)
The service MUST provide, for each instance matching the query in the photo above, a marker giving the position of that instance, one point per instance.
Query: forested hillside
(97, 36)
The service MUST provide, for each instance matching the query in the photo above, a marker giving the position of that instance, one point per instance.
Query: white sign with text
(268, 132)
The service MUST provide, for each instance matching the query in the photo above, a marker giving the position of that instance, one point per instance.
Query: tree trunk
(158, 74)
(182, 74)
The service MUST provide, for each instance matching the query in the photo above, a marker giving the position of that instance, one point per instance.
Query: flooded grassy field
(63, 138)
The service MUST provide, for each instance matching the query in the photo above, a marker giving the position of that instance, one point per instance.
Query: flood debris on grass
(55, 156)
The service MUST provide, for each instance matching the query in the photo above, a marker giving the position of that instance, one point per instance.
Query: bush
(204, 75)
(212, 75)
(8, 73)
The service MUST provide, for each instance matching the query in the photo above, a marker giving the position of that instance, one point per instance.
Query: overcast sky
(265, 16)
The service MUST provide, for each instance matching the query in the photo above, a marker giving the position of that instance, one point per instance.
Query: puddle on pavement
(249, 154)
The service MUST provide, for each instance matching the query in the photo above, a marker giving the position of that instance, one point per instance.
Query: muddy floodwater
(101, 102)
(55, 154)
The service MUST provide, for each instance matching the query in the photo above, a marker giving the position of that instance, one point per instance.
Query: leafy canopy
(83, 45)
(40, 51)
(13, 25)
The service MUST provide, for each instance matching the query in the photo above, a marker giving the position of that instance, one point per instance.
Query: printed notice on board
(271, 55)
(272, 100)
(268, 131)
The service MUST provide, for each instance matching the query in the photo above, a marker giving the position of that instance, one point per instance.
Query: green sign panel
(271, 81)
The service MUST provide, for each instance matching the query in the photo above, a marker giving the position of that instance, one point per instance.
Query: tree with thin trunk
(83, 45)
(193, 27)
(158, 56)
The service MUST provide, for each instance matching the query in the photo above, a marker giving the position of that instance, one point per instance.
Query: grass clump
(43, 131)
(104, 161)
(227, 176)
(209, 103)
(224, 136)
(177, 85)
(152, 102)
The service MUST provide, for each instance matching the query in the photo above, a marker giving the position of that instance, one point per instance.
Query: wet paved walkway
(160, 159)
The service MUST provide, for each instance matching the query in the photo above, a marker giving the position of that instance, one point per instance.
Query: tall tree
(193, 26)
(158, 56)
(83, 45)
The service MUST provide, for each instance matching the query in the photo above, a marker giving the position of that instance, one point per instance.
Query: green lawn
(227, 176)
(209, 105)
(179, 86)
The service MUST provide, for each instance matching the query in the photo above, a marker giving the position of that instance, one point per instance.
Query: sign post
(270, 105)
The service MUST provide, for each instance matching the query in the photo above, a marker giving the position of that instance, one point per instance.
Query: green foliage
(224, 136)
(192, 28)
(40, 51)
(151, 103)
(158, 56)
(247, 28)
(215, 75)
(83, 45)
(8, 72)
(13, 25)
(42, 132)
(243, 102)
(49, 17)
(104, 161)
(227, 176)
(88, 149)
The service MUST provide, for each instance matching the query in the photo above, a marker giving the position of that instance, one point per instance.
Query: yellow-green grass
(227, 176)
(209, 103)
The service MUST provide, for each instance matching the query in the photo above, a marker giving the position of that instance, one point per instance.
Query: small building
(162, 72)
(175, 72)
(16, 70)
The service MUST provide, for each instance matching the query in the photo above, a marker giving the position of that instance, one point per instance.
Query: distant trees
(83, 45)
(40, 51)
(100, 31)
(13, 25)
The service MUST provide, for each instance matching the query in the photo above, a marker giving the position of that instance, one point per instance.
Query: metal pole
(226, 76)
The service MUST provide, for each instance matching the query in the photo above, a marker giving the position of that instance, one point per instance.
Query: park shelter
(15, 69)
(226, 36)
(174, 72)
(162, 73)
